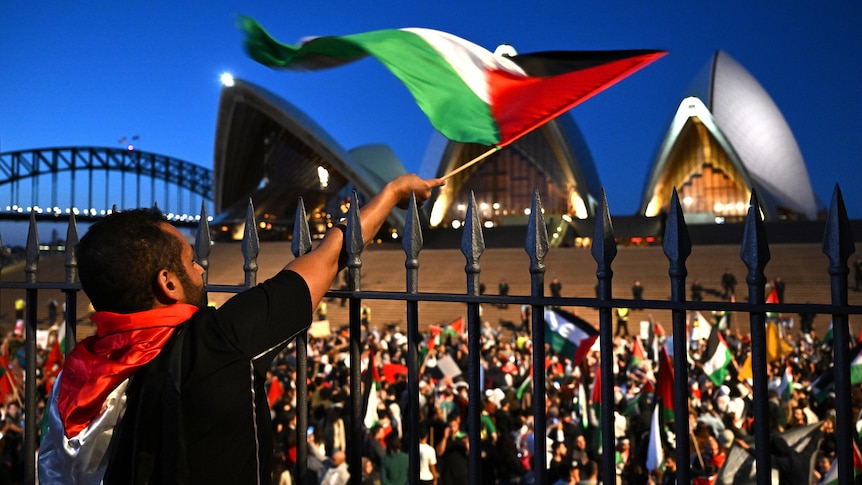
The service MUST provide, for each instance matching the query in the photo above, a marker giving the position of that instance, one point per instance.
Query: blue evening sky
(91, 73)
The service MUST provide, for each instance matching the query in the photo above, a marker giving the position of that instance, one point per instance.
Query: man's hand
(408, 184)
(320, 267)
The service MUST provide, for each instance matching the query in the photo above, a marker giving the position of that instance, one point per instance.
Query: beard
(195, 294)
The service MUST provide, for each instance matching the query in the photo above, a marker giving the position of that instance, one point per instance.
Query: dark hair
(120, 256)
(393, 443)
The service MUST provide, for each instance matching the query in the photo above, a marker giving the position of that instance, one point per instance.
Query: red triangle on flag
(276, 390)
(664, 383)
(458, 325)
(596, 395)
(772, 297)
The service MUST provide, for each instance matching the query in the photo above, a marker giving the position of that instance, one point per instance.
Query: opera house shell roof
(553, 159)
(727, 138)
(269, 151)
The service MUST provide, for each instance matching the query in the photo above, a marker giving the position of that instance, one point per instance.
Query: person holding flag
(193, 365)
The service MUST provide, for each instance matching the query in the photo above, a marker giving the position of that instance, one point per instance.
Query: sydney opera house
(726, 139)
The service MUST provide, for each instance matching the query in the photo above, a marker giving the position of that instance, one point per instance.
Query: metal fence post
(755, 255)
(604, 251)
(250, 247)
(31, 427)
(412, 244)
(71, 313)
(355, 243)
(301, 244)
(537, 248)
(838, 246)
(677, 248)
(472, 246)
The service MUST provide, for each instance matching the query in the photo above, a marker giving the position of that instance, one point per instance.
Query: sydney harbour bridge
(52, 183)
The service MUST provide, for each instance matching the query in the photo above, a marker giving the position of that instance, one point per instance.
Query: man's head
(338, 457)
(133, 260)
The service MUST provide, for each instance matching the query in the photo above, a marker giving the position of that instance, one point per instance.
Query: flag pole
(472, 162)
(696, 448)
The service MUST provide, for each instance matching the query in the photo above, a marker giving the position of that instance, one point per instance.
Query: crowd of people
(720, 412)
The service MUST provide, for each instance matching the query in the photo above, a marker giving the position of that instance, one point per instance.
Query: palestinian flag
(8, 383)
(524, 387)
(596, 399)
(637, 353)
(457, 326)
(656, 338)
(828, 336)
(823, 385)
(632, 405)
(439, 335)
(581, 406)
(569, 334)
(435, 339)
(54, 362)
(772, 297)
(716, 358)
(701, 328)
(372, 387)
(856, 366)
(468, 93)
(655, 449)
(276, 390)
(722, 322)
(664, 386)
(831, 476)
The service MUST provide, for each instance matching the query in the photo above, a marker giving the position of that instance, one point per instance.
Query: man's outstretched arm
(320, 266)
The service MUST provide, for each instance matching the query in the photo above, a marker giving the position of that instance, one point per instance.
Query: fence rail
(837, 245)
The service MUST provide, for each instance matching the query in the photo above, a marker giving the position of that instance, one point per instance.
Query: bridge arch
(72, 184)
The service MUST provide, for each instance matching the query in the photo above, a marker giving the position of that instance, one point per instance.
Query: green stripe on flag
(436, 86)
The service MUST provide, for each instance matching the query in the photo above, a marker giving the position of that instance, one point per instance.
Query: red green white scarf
(97, 365)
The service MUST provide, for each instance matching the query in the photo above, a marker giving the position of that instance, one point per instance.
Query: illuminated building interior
(723, 143)
(552, 159)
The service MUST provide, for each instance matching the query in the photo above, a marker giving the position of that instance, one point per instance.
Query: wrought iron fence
(838, 246)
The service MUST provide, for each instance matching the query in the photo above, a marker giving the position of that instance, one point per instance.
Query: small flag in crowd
(831, 476)
(823, 385)
(664, 386)
(856, 365)
(828, 336)
(569, 334)
(8, 383)
(372, 386)
(596, 398)
(716, 358)
(439, 335)
(276, 390)
(637, 353)
(469, 94)
(582, 406)
(655, 451)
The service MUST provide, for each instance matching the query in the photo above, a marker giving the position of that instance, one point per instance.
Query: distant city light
(227, 80)
(323, 176)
